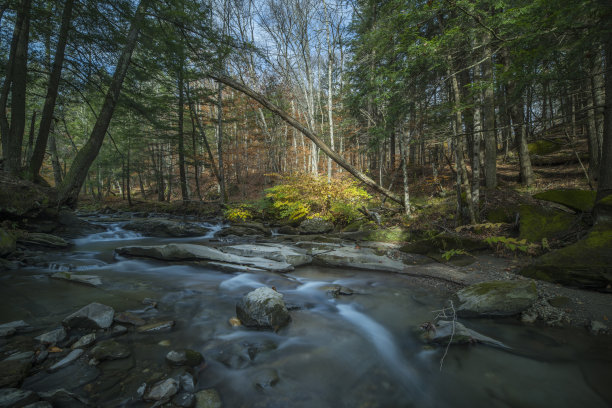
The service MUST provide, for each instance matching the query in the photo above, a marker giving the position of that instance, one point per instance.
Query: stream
(361, 350)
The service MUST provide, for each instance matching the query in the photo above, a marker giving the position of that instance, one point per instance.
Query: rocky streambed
(174, 312)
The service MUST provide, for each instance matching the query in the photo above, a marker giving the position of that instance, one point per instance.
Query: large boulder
(585, 264)
(496, 298)
(537, 223)
(21, 199)
(315, 225)
(263, 308)
(92, 316)
(192, 252)
(578, 200)
(165, 228)
(7, 243)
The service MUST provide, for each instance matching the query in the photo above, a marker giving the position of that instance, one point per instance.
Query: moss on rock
(496, 298)
(444, 242)
(537, 223)
(579, 200)
(7, 243)
(585, 264)
(394, 234)
(543, 147)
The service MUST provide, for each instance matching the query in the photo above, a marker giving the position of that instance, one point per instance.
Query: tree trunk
(604, 187)
(220, 143)
(17, 77)
(196, 162)
(312, 136)
(57, 169)
(490, 138)
(69, 190)
(181, 142)
(47, 113)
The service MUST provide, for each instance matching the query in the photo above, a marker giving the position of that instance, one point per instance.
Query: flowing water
(351, 351)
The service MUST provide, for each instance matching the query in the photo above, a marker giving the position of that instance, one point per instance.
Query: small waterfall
(383, 341)
(113, 233)
(240, 281)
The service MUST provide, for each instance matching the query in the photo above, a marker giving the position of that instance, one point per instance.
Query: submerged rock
(162, 390)
(91, 280)
(185, 357)
(14, 397)
(69, 359)
(496, 298)
(585, 264)
(265, 378)
(92, 316)
(165, 228)
(12, 372)
(209, 398)
(156, 327)
(85, 341)
(192, 252)
(129, 318)
(453, 332)
(52, 337)
(263, 308)
(110, 350)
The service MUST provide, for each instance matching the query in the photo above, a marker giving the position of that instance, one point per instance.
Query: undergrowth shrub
(242, 212)
(302, 196)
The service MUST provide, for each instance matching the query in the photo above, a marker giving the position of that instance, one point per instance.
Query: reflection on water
(351, 351)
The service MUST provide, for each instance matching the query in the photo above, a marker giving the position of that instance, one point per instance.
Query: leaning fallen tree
(310, 135)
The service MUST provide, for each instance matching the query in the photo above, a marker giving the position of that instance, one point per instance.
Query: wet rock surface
(263, 308)
(496, 298)
(165, 228)
(92, 316)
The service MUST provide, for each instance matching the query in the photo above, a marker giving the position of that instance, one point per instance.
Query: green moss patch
(579, 200)
(395, 234)
(543, 147)
(537, 223)
(586, 264)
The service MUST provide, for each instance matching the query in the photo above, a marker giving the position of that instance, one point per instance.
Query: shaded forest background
(118, 98)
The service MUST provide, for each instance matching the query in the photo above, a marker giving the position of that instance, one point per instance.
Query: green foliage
(305, 196)
(513, 245)
(240, 213)
(454, 252)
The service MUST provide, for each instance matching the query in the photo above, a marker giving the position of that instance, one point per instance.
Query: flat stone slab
(446, 332)
(46, 240)
(91, 280)
(19, 325)
(71, 377)
(360, 258)
(228, 267)
(156, 327)
(275, 252)
(92, 316)
(192, 252)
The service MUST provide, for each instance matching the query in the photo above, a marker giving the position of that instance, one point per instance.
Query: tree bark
(47, 113)
(17, 78)
(604, 187)
(181, 142)
(69, 190)
(490, 137)
(310, 135)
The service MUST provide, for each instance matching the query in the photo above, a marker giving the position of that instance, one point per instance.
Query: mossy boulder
(7, 243)
(543, 147)
(21, 199)
(395, 234)
(496, 298)
(585, 264)
(578, 200)
(537, 223)
(444, 242)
